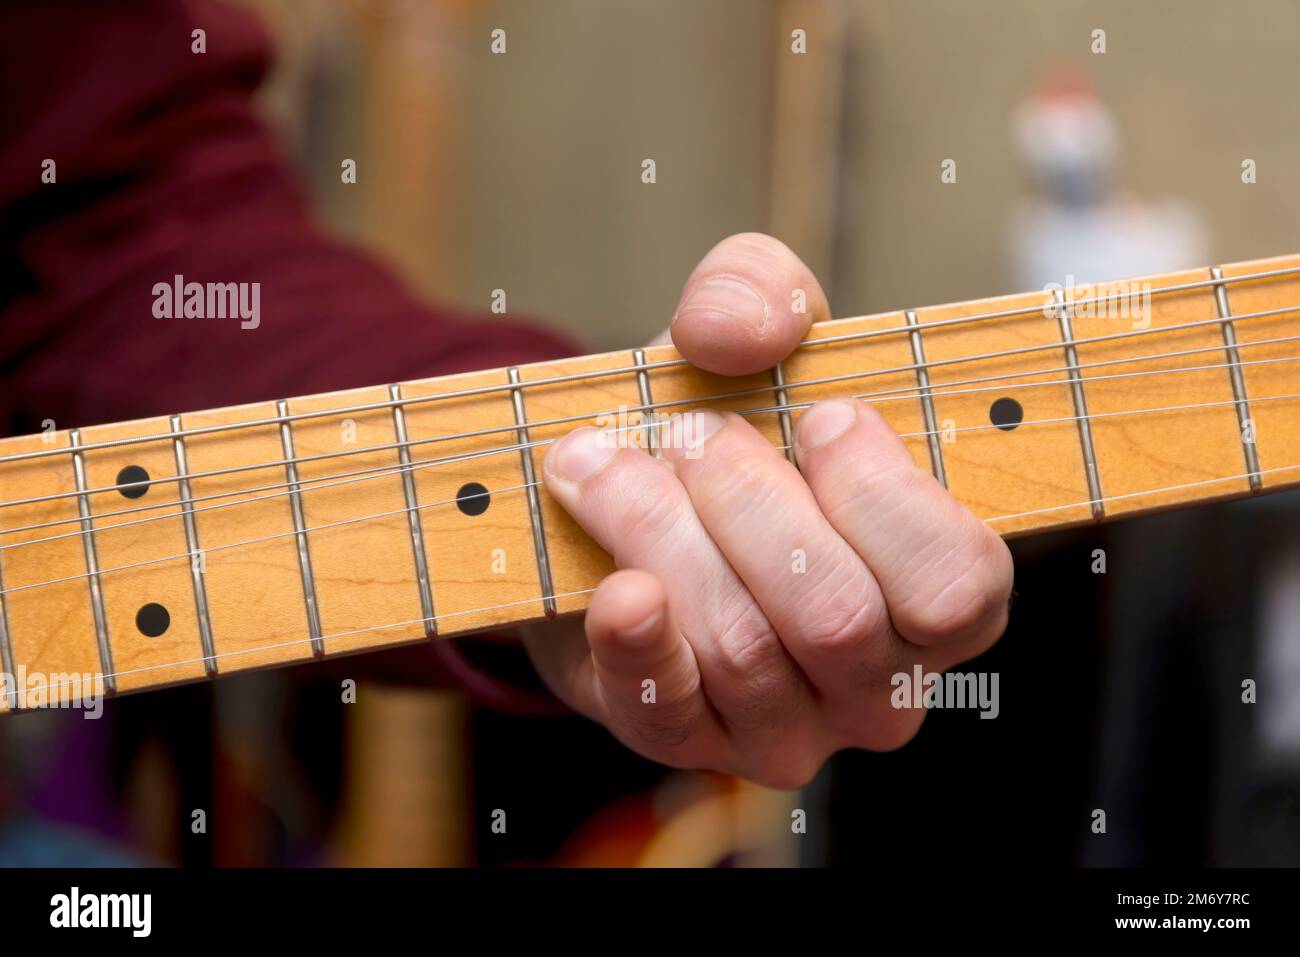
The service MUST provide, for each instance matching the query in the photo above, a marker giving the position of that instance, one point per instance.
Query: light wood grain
(894, 394)
(1138, 454)
(255, 593)
(140, 660)
(1277, 422)
(483, 567)
(364, 572)
(51, 628)
(576, 564)
(1000, 472)
(483, 570)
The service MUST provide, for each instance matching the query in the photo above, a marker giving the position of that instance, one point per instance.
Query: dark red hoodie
(162, 168)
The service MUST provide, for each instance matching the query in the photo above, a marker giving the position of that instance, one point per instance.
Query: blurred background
(1100, 138)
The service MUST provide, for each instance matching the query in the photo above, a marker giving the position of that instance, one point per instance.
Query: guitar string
(655, 407)
(1045, 308)
(888, 395)
(1208, 283)
(422, 464)
(101, 573)
(569, 594)
(4, 692)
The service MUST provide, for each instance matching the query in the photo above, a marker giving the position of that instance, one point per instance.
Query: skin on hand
(758, 670)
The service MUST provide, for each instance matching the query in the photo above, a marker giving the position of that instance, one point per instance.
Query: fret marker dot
(152, 619)
(1006, 414)
(134, 481)
(473, 499)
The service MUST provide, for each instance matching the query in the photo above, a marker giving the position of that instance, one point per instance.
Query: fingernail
(726, 297)
(581, 454)
(823, 422)
(684, 435)
(644, 634)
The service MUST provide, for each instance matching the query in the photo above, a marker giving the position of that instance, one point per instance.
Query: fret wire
(7, 663)
(587, 591)
(92, 561)
(927, 400)
(1151, 491)
(783, 417)
(276, 536)
(1080, 406)
(647, 401)
(1107, 415)
(420, 464)
(534, 502)
(197, 574)
(341, 634)
(532, 485)
(1029, 310)
(300, 530)
(673, 403)
(1092, 365)
(1235, 376)
(413, 512)
(668, 363)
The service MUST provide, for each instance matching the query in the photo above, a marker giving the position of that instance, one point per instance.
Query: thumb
(746, 306)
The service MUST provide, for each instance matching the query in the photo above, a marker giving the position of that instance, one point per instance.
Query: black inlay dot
(473, 499)
(152, 619)
(134, 481)
(1006, 414)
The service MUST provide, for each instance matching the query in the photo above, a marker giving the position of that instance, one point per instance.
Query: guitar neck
(171, 549)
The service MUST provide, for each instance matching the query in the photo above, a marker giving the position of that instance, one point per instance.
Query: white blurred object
(1279, 659)
(1075, 225)
(1113, 240)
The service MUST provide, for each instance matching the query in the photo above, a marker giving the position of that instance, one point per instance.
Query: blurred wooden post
(808, 98)
(405, 793)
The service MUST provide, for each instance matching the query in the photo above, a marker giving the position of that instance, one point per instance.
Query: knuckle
(669, 727)
(747, 643)
(845, 625)
(971, 603)
(758, 676)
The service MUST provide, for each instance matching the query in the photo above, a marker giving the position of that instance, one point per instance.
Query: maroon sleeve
(162, 169)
